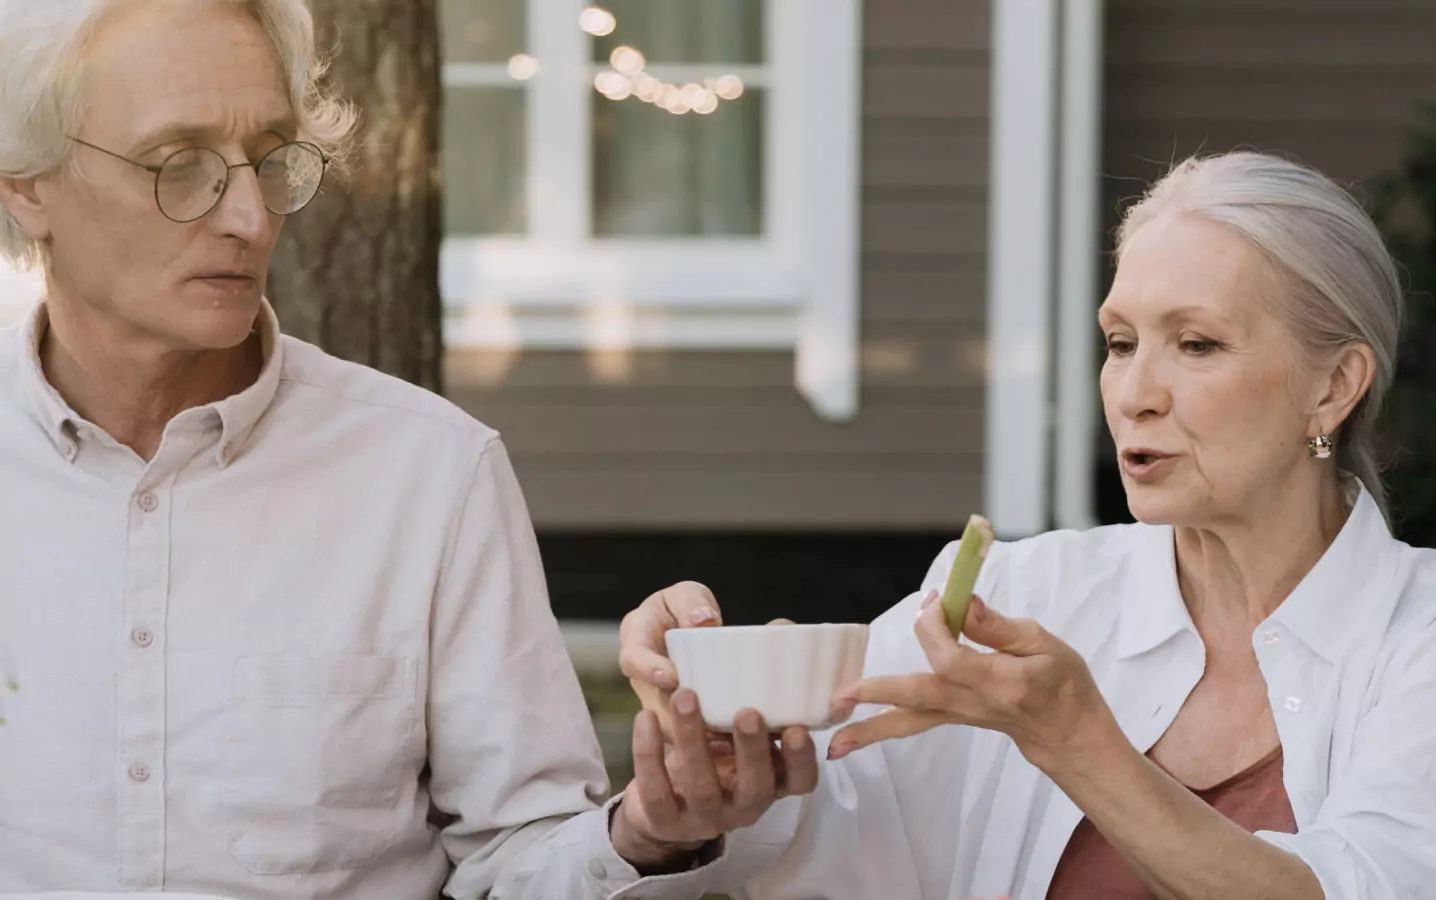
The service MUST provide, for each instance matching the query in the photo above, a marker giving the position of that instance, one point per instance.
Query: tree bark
(357, 271)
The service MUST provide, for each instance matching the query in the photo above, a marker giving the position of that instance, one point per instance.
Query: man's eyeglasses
(191, 182)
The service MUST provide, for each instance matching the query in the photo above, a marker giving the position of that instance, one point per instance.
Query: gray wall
(723, 440)
(1330, 83)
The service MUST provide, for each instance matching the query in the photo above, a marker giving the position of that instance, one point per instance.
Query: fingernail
(685, 703)
(979, 609)
(748, 724)
(662, 678)
(839, 750)
(702, 616)
(796, 740)
(927, 601)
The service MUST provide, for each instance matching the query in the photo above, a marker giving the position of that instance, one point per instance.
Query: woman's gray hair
(43, 45)
(1340, 283)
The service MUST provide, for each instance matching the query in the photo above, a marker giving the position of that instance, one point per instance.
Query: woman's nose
(1143, 391)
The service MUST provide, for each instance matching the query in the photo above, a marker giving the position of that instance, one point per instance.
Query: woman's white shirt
(1350, 664)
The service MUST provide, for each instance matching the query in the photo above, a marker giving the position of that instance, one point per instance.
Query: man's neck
(132, 387)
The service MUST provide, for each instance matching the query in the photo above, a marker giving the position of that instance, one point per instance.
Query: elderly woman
(1229, 699)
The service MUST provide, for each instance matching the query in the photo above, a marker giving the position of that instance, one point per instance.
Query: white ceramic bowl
(788, 673)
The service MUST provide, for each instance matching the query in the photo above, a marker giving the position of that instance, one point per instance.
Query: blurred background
(773, 294)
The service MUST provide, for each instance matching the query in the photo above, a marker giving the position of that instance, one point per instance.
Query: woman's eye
(1120, 346)
(1199, 347)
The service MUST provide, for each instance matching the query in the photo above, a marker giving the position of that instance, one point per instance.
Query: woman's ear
(1346, 382)
(22, 200)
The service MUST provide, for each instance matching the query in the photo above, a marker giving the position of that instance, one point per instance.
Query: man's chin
(221, 326)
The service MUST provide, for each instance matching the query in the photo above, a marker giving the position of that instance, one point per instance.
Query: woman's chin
(1155, 506)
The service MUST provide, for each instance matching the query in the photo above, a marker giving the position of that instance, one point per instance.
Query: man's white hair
(43, 48)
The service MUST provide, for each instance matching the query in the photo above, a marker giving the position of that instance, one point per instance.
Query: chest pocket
(320, 769)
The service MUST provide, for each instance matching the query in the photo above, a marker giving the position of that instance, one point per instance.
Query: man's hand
(698, 789)
(643, 654)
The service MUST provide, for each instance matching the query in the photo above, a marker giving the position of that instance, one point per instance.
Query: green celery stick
(971, 552)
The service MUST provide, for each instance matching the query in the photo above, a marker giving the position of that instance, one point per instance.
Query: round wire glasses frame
(189, 183)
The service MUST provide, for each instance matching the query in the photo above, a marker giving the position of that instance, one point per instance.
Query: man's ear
(21, 199)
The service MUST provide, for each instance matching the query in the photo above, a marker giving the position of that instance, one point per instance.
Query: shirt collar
(45, 404)
(1346, 586)
(1152, 607)
(238, 414)
(1324, 612)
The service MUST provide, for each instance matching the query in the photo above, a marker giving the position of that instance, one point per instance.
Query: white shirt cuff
(617, 880)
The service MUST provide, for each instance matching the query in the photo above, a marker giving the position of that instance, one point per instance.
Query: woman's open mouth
(1143, 463)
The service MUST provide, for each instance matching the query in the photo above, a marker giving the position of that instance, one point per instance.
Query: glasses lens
(289, 177)
(191, 183)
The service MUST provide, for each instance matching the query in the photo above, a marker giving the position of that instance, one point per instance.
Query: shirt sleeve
(514, 764)
(1374, 837)
(850, 839)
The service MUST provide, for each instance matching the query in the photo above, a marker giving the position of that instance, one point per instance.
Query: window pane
(484, 165)
(481, 30)
(657, 173)
(686, 31)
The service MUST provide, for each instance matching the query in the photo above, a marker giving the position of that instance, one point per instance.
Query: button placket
(141, 686)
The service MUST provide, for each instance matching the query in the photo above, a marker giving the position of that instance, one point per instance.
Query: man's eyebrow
(284, 125)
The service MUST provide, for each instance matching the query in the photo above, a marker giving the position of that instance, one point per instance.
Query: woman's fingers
(921, 690)
(948, 658)
(885, 726)
(1014, 637)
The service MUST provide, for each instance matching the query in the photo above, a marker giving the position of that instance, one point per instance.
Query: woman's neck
(1236, 571)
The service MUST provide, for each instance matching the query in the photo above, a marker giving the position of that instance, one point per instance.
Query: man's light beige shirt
(247, 667)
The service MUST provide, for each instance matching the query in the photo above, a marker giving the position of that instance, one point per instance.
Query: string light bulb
(729, 87)
(627, 60)
(522, 67)
(597, 21)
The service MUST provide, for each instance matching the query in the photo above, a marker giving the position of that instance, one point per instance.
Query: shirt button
(139, 772)
(1293, 704)
(142, 637)
(148, 502)
(1270, 637)
(596, 869)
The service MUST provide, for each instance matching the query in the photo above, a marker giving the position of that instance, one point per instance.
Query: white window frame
(794, 287)
(1043, 259)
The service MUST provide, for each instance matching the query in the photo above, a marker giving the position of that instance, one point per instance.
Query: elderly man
(277, 621)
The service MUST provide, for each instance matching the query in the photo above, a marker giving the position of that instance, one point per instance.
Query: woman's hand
(1035, 688)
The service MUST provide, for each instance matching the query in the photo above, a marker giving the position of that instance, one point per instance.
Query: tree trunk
(357, 272)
